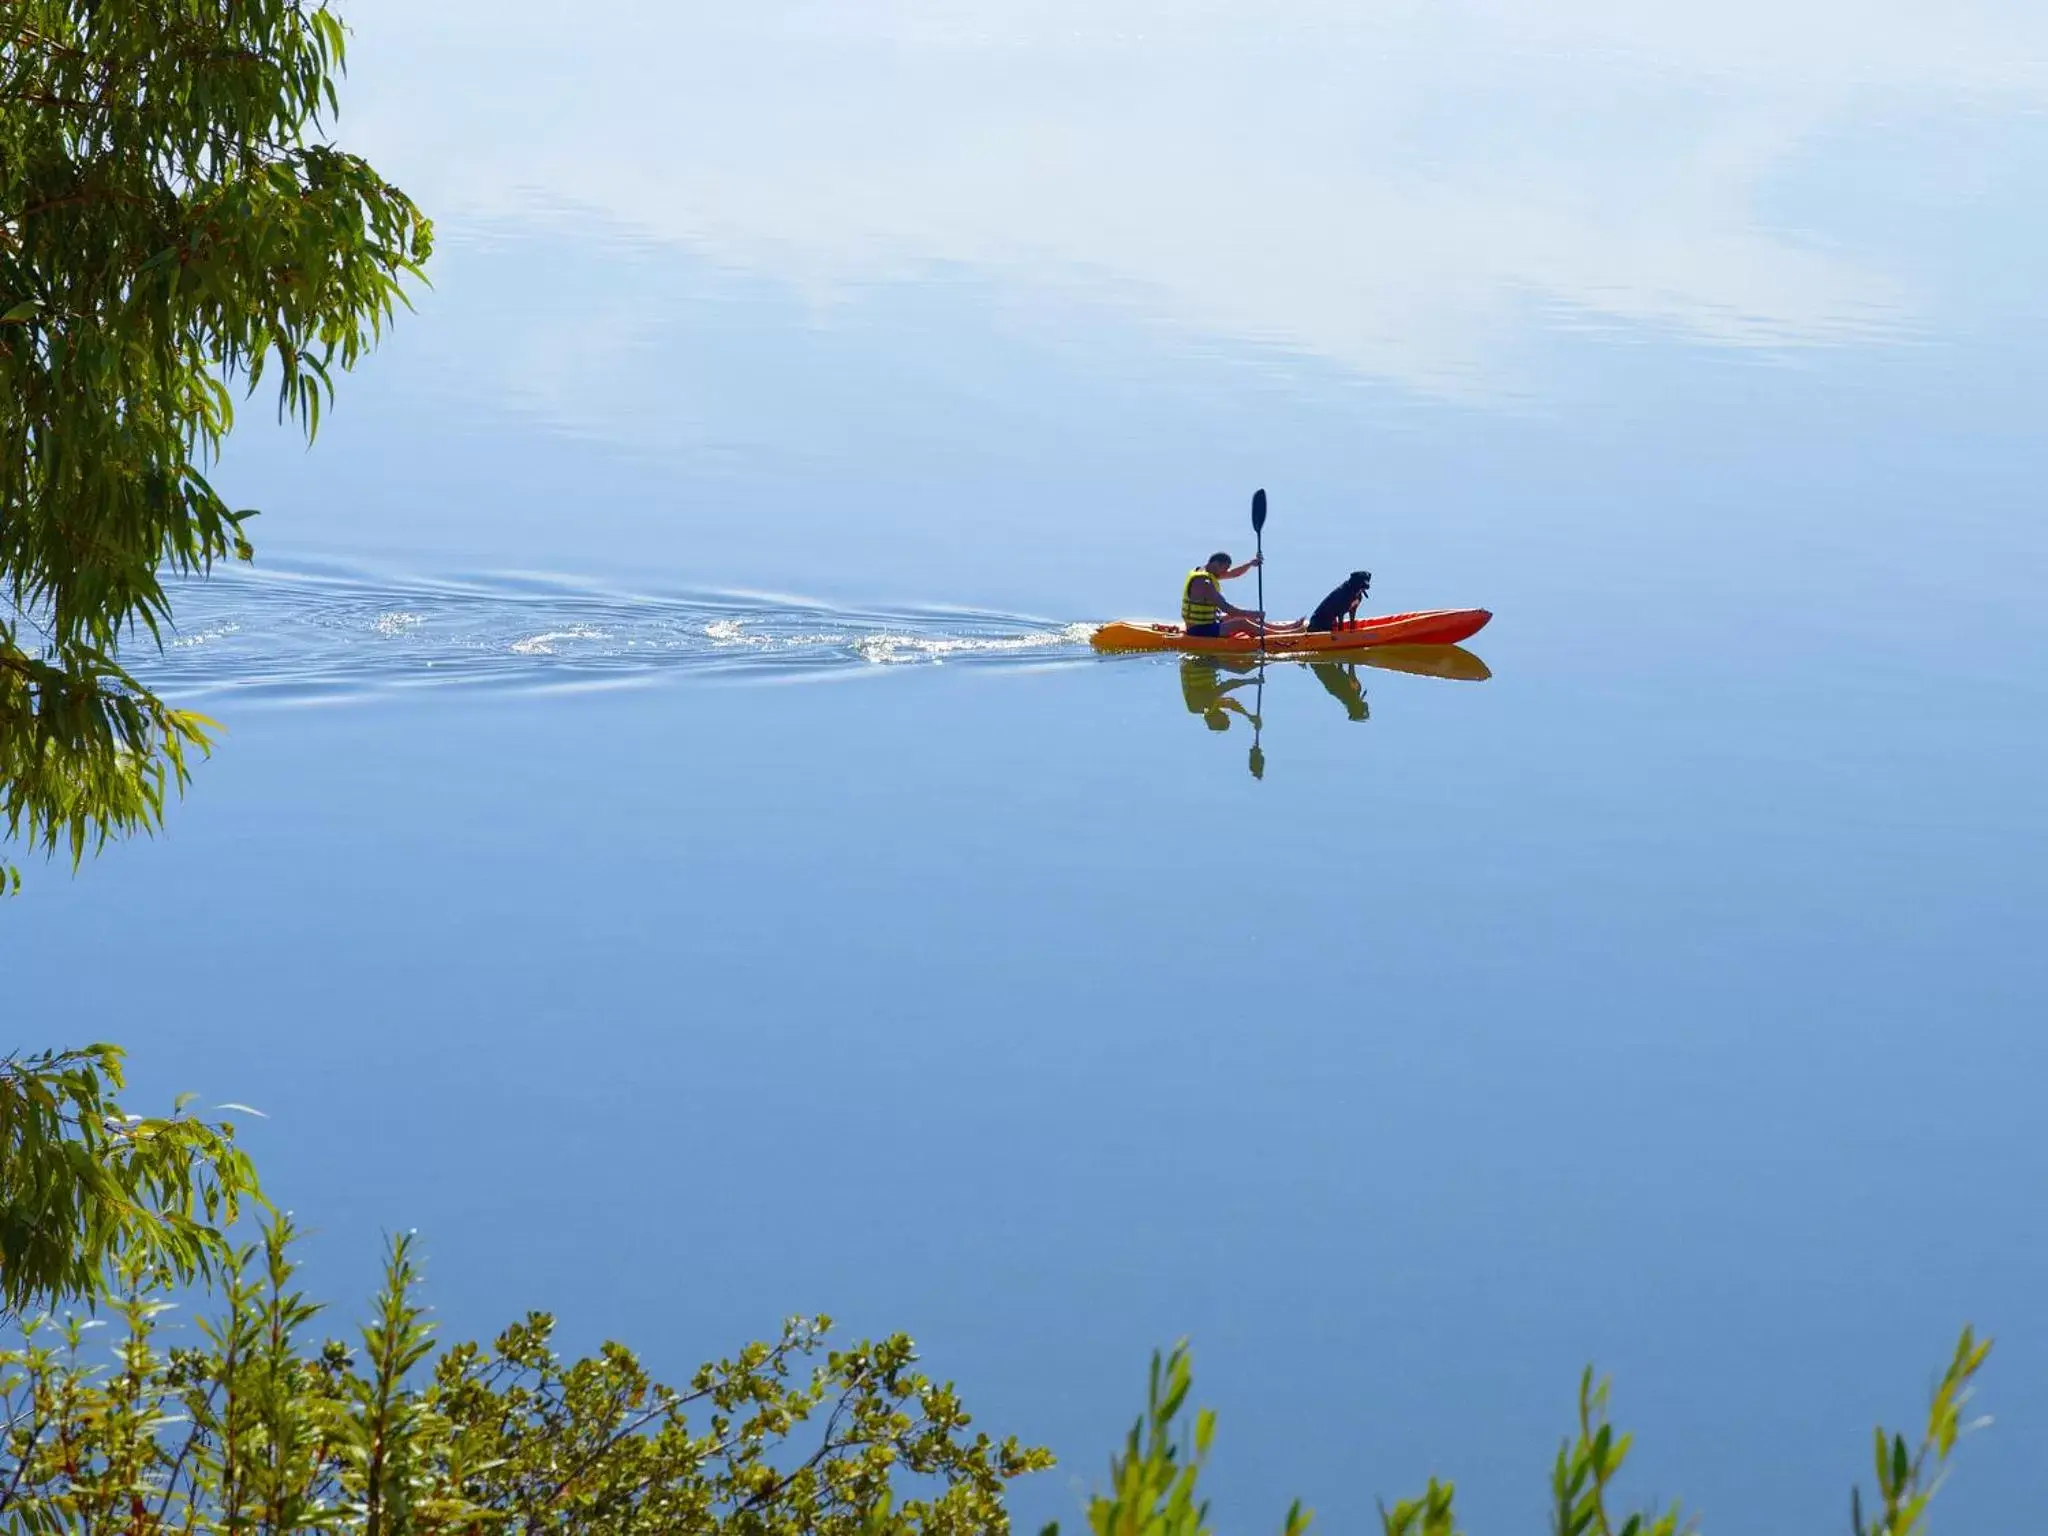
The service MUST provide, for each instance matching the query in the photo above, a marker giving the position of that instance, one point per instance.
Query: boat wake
(309, 635)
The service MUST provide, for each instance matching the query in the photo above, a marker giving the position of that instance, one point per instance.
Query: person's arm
(1227, 606)
(1224, 606)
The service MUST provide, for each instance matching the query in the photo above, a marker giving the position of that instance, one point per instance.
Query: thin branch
(611, 1443)
(35, 1436)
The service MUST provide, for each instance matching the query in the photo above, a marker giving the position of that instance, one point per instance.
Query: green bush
(1153, 1480)
(259, 1423)
(263, 1426)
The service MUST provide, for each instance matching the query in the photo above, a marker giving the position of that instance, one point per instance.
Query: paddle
(1258, 763)
(1259, 536)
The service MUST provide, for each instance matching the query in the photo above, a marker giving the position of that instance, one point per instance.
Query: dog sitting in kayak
(1341, 605)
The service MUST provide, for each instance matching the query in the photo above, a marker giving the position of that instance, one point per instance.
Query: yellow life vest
(1194, 614)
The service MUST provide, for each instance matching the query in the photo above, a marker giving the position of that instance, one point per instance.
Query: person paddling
(1205, 613)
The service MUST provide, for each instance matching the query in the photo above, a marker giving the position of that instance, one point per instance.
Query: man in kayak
(1342, 603)
(1206, 614)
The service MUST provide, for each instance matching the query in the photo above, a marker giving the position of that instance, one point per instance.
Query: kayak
(1437, 626)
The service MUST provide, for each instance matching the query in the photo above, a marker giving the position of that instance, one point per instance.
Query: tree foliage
(263, 1425)
(173, 223)
(1154, 1480)
(258, 1422)
(84, 1187)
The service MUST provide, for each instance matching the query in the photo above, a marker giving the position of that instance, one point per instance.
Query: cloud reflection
(1406, 195)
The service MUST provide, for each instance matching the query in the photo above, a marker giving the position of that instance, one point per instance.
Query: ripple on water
(309, 635)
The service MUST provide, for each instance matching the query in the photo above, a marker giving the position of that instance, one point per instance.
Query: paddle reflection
(1208, 683)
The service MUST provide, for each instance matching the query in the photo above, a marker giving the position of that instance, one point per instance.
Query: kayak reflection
(1448, 661)
(1207, 683)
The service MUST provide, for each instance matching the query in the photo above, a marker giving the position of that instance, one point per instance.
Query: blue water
(672, 845)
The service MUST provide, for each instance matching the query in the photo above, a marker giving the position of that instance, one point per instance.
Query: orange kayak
(1437, 626)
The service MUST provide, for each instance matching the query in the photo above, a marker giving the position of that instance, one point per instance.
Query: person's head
(1216, 720)
(1218, 563)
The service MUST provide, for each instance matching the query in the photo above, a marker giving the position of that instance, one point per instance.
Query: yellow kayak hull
(1437, 626)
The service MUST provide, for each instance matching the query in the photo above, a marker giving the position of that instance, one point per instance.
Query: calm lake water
(673, 846)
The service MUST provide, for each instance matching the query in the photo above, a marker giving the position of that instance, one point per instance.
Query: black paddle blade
(1258, 511)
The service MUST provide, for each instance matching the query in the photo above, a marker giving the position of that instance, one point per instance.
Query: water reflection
(1340, 681)
(1420, 204)
(1208, 684)
(1447, 661)
(1203, 689)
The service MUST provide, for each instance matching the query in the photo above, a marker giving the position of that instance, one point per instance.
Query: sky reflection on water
(1671, 1000)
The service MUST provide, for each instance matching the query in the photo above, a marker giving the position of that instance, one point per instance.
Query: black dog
(1342, 603)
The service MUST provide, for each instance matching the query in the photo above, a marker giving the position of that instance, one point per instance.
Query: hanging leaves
(174, 226)
(84, 1187)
